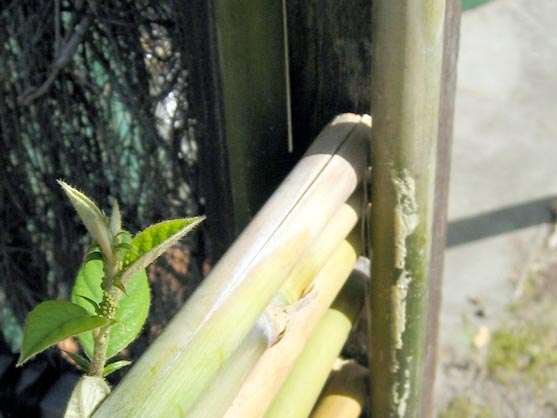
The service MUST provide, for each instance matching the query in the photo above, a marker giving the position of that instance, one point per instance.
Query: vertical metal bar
(287, 77)
(252, 72)
(444, 146)
(407, 42)
(235, 53)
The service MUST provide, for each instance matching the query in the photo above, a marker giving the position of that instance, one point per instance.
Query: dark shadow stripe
(500, 221)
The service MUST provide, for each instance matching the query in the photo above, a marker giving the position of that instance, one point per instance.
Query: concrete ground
(504, 168)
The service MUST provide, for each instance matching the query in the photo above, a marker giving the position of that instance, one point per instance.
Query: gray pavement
(504, 164)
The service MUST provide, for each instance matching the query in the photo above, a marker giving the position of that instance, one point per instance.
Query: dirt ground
(510, 370)
(498, 342)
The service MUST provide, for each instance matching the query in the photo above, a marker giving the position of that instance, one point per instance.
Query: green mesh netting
(95, 93)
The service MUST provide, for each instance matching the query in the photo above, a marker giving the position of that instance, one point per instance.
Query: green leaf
(115, 219)
(125, 247)
(88, 394)
(130, 315)
(119, 285)
(93, 255)
(154, 241)
(94, 220)
(124, 236)
(83, 363)
(53, 321)
(117, 365)
(94, 304)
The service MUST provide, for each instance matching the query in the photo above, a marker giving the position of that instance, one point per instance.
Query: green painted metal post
(407, 39)
(253, 79)
(235, 52)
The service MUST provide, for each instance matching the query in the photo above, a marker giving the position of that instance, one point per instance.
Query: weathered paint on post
(407, 39)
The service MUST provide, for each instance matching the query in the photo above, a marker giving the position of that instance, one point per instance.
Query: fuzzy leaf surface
(53, 321)
(92, 217)
(153, 241)
(115, 219)
(130, 315)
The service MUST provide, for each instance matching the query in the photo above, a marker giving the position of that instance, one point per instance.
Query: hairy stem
(99, 355)
(107, 309)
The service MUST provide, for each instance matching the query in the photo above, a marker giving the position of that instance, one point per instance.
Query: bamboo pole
(334, 266)
(345, 393)
(180, 364)
(336, 230)
(301, 389)
(222, 390)
(407, 37)
(265, 380)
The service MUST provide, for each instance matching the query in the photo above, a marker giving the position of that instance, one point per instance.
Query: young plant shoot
(110, 297)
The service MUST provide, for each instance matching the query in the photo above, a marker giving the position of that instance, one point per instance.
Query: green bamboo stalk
(217, 397)
(220, 393)
(265, 381)
(301, 389)
(406, 75)
(180, 364)
(346, 392)
(336, 230)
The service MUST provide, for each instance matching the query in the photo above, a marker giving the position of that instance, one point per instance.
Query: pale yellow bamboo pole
(176, 369)
(345, 393)
(336, 230)
(298, 394)
(262, 385)
(222, 390)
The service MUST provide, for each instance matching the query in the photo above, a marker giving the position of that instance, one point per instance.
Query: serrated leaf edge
(155, 252)
(92, 217)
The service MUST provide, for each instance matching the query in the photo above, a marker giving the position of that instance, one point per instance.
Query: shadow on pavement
(501, 221)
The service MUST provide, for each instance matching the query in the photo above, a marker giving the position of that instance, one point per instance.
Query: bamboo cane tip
(363, 268)
(346, 118)
(366, 119)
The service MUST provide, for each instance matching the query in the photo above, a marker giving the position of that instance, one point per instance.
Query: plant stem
(99, 355)
(108, 306)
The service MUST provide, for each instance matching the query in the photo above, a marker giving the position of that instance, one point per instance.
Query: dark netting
(95, 93)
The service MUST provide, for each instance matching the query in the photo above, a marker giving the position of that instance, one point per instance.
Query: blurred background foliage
(95, 93)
